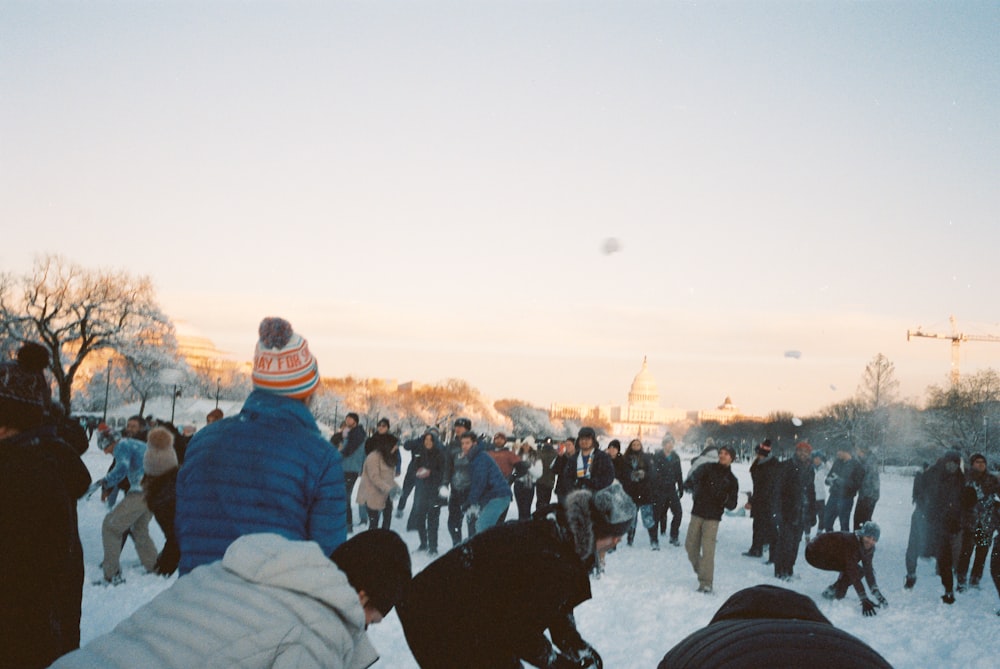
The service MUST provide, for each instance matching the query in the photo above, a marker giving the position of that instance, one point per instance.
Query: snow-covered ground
(646, 601)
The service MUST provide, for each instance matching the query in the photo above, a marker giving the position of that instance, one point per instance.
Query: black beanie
(378, 562)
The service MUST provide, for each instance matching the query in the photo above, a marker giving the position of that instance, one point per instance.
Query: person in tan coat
(378, 477)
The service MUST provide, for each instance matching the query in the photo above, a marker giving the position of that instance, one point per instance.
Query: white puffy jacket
(270, 602)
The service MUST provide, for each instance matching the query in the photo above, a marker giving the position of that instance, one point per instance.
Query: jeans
(489, 515)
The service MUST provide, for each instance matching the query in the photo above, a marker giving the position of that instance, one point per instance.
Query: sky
(425, 189)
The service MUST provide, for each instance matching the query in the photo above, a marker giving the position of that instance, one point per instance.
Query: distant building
(727, 412)
(642, 414)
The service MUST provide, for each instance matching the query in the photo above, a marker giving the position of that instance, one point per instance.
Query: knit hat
(23, 380)
(160, 454)
(613, 511)
(463, 422)
(667, 439)
(586, 432)
(378, 562)
(730, 450)
(819, 454)
(282, 363)
(215, 414)
(614, 443)
(529, 441)
(870, 529)
(765, 447)
(952, 455)
(804, 446)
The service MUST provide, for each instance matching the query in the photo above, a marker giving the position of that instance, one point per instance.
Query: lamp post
(172, 377)
(107, 392)
(218, 386)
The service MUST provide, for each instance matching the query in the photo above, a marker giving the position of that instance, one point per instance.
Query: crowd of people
(283, 538)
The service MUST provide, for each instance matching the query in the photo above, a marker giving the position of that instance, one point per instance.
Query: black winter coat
(763, 473)
(843, 552)
(715, 489)
(845, 477)
(489, 600)
(667, 477)
(637, 476)
(793, 499)
(41, 559)
(601, 472)
(161, 499)
(944, 500)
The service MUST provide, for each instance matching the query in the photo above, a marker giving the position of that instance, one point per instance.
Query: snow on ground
(646, 601)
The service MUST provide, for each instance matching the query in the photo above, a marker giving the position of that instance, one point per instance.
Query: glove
(867, 607)
(880, 598)
(443, 492)
(472, 511)
(394, 493)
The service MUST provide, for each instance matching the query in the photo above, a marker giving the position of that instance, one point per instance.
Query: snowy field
(646, 601)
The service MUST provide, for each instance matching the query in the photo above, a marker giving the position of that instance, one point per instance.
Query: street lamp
(172, 377)
(218, 386)
(107, 391)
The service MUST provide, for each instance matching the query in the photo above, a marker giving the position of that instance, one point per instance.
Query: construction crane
(956, 339)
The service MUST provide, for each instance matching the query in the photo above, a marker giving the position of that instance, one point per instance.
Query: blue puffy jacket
(487, 481)
(267, 469)
(128, 464)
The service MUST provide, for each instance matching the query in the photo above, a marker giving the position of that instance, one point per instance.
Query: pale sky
(424, 188)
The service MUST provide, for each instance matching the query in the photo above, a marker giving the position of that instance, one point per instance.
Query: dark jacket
(428, 478)
(161, 499)
(843, 552)
(763, 473)
(793, 498)
(525, 577)
(979, 503)
(667, 477)
(599, 474)
(845, 477)
(944, 498)
(768, 626)
(715, 489)
(486, 481)
(41, 560)
(637, 476)
(547, 454)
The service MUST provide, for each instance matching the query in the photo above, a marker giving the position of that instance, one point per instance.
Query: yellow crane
(956, 338)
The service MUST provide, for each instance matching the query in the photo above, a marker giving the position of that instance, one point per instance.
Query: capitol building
(642, 414)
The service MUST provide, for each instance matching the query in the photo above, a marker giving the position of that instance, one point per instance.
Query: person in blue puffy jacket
(267, 469)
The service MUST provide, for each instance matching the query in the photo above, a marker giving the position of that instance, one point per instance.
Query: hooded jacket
(269, 602)
(486, 481)
(528, 576)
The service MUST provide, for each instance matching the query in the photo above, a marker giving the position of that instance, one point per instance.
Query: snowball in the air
(797, 422)
(793, 354)
(611, 245)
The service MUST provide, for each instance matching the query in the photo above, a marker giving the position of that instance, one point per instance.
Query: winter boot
(961, 585)
(911, 581)
(948, 597)
(631, 536)
(674, 541)
(654, 539)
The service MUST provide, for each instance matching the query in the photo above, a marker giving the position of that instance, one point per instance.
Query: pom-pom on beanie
(282, 363)
(160, 454)
(870, 529)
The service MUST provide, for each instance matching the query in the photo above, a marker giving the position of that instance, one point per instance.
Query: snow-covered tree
(74, 311)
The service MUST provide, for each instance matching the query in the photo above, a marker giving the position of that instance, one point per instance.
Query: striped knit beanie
(282, 363)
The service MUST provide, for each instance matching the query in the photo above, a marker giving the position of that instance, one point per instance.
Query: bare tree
(959, 416)
(879, 385)
(75, 311)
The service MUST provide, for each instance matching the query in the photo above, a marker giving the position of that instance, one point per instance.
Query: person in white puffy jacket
(270, 602)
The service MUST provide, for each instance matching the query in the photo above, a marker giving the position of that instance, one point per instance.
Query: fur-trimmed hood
(579, 521)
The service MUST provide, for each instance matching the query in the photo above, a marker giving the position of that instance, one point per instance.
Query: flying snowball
(833, 387)
(611, 245)
(797, 422)
(793, 354)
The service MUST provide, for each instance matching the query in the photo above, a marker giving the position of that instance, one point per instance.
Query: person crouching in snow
(270, 602)
(489, 601)
(849, 553)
